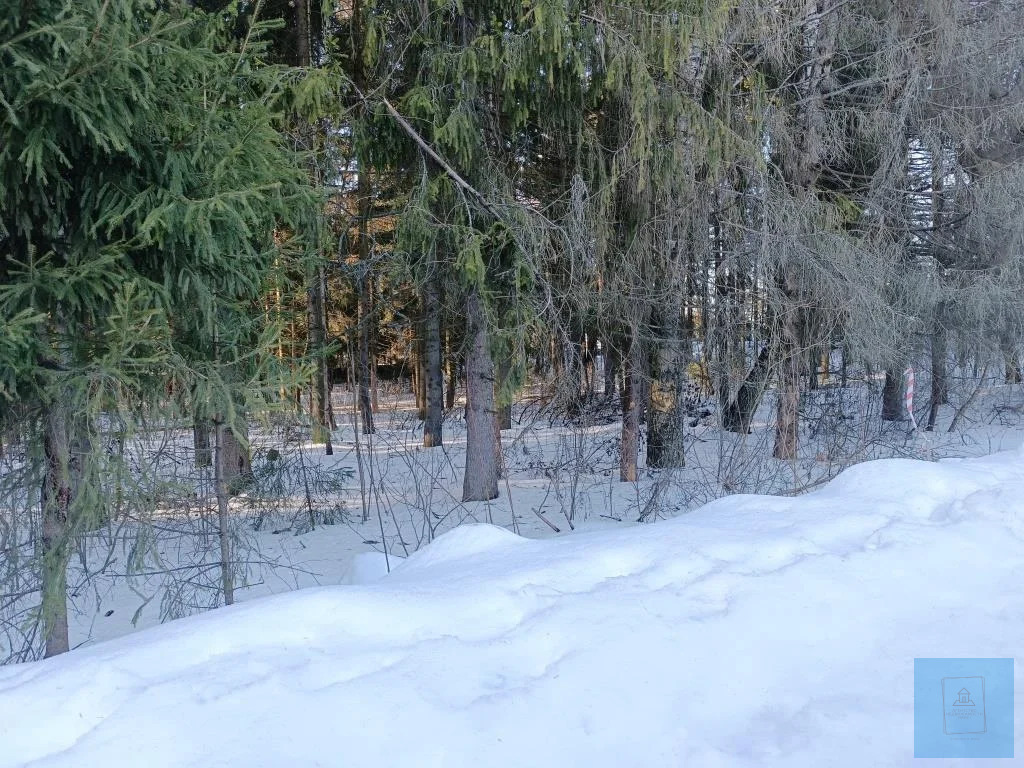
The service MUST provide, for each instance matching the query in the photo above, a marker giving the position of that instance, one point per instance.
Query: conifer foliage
(142, 176)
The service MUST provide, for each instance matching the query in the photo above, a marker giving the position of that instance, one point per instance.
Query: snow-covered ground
(754, 631)
(559, 475)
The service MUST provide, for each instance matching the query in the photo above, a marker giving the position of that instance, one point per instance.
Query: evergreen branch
(434, 155)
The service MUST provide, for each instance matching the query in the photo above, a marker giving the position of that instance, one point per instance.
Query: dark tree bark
(237, 469)
(611, 369)
(504, 404)
(572, 374)
(739, 414)
(319, 407)
(433, 422)
(57, 501)
(1013, 369)
(421, 375)
(363, 359)
(589, 367)
(329, 382)
(892, 396)
(940, 386)
(227, 466)
(480, 481)
(666, 406)
(631, 388)
(373, 357)
(556, 358)
(364, 274)
(316, 284)
(201, 442)
(414, 370)
(791, 373)
(451, 365)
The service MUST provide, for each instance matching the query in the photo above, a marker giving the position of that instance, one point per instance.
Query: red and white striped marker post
(909, 374)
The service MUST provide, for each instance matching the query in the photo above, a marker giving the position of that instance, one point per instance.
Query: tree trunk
(450, 371)
(940, 387)
(589, 367)
(374, 385)
(812, 374)
(57, 501)
(1012, 362)
(610, 370)
(236, 469)
(432, 424)
(421, 375)
(317, 333)
(739, 414)
(365, 310)
(328, 411)
(201, 442)
(504, 402)
(892, 397)
(801, 169)
(316, 283)
(628, 455)
(414, 370)
(556, 359)
(371, 346)
(480, 481)
(572, 375)
(228, 463)
(666, 407)
(787, 422)
(363, 359)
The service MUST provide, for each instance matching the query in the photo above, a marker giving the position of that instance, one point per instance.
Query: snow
(754, 631)
(560, 473)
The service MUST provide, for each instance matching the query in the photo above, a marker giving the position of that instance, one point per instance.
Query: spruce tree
(142, 174)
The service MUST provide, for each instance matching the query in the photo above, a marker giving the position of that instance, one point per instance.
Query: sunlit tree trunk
(451, 365)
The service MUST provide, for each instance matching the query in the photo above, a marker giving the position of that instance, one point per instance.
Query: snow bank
(756, 631)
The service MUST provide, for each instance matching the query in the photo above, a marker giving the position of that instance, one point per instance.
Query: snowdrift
(756, 631)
